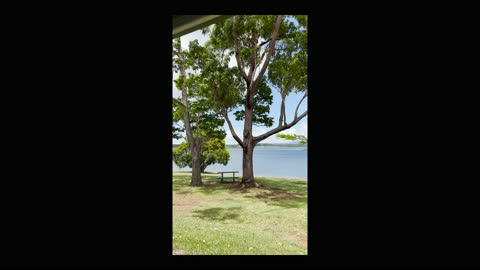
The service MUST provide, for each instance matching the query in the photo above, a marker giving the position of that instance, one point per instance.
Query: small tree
(213, 151)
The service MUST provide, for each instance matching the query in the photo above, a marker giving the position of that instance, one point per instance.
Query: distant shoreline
(259, 145)
(273, 145)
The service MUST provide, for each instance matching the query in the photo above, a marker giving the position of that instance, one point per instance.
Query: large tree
(260, 43)
(200, 123)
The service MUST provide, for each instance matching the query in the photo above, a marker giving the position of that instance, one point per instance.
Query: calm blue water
(282, 162)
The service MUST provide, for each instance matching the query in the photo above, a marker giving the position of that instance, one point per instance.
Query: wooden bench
(222, 177)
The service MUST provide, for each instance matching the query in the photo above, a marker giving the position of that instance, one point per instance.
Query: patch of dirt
(186, 203)
(278, 195)
(299, 238)
(177, 251)
(181, 204)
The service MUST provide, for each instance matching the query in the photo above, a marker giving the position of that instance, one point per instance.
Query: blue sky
(290, 106)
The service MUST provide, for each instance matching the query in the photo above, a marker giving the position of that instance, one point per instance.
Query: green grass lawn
(221, 219)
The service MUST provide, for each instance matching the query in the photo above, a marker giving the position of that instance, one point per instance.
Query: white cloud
(233, 61)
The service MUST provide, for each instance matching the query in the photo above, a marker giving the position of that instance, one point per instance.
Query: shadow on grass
(183, 181)
(279, 197)
(218, 214)
(290, 203)
(184, 192)
(300, 183)
(298, 187)
(287, 194)
(284, 193)
(213, 186)
(180, 182)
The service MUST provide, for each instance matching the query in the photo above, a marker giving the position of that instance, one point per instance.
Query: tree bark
(248, 179)
(196, 164)
(283, 116)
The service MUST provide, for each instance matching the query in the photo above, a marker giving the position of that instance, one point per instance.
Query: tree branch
(300, 102)
(252, 60)
(223, 51)
(234, 134)
(237, 55)
(265, 42)
(178, 102)
(268, 40)
(261, 58)
(282, 112)
(270, 52)
(267, 134)
(280, 119)
(283, 108)
(178, 125)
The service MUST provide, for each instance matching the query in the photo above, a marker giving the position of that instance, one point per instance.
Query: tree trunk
(196, 165)
(248, 180)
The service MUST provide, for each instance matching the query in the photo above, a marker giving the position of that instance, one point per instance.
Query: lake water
(282, 162)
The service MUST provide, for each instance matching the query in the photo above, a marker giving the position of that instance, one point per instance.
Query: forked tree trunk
(194, 143)
(248, 179)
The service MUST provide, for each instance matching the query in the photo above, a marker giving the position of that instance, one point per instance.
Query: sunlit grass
(218, 219)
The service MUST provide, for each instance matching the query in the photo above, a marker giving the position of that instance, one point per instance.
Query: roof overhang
(184, 24)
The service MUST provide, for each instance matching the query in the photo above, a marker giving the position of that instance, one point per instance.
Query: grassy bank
(221, 219)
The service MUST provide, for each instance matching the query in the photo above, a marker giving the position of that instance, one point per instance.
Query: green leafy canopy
(204, 121)
(213, 151)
